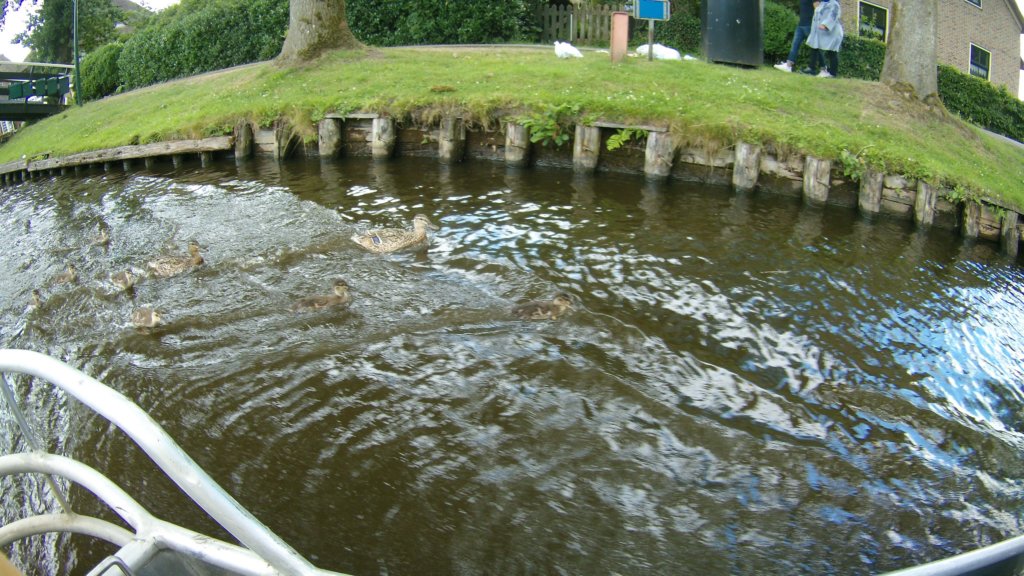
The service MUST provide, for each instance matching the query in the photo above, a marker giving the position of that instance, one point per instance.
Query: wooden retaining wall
(744, 166)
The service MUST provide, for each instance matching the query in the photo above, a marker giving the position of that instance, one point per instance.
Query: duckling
(37, 299)
(103, 239)
(341, 298)
(124, 280)
(69, 276)
(544, 310)
(173, 265)
(145, 317)
(391, 239)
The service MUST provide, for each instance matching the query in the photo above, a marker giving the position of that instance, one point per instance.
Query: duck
(124, 280)
(103, 239)
(37, 299)
(145, 317)
(391, 239)
(544, 309)
(173, 265)
(69, 276)
(340, 298)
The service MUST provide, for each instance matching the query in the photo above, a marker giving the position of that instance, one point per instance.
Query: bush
(862, 58)
(197, 37)
(682, 32)
(779, 24)
(981, 102)
(100, 74)
(411, 22)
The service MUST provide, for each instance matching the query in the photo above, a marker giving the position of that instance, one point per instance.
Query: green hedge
(100, 74)
(202, 36)
(412, 22)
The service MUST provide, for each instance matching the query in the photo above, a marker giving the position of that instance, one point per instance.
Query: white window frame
(975, 3)
(885, 36)
(970, 62)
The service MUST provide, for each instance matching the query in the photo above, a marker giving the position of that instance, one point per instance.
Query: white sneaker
(784, 66)
(824, 74)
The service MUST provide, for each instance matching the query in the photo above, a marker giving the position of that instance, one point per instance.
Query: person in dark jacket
(803, 30)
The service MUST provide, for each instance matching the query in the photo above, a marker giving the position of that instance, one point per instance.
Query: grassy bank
(701, 102)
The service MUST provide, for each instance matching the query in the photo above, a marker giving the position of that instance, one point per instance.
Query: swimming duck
(103, 239)
(125, 280)
(145, 317)
(544, 310)
(173, 265)
(341, 297)
(69, 276)
(392, 239)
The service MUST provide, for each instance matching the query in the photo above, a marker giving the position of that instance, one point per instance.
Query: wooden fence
(587, 25)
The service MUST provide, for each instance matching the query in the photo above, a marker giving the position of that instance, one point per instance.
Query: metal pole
(650, 40)
(78, 85)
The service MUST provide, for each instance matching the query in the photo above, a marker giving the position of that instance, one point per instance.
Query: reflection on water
(746, 386)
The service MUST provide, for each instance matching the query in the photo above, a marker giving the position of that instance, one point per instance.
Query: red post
(620, 35)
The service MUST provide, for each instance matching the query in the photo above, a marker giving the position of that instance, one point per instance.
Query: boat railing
(261, 552)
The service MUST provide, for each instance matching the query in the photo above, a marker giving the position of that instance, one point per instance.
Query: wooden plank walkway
(141, 151)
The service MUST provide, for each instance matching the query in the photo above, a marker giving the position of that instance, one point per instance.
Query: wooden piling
(659, 155)
(451, 140)
(517, 145)
(329, 138)
(869, 200)
(972, 219)
(206, 159)
(1009, 235)
(586, 148)
(126, 165)
(746, 167)
(382, 138)
(149, 162)
(924, 204)
(178, 160)
(817, 174)
(244, 141)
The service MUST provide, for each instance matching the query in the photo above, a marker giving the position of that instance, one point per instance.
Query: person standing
(803, 30)
(826, 37)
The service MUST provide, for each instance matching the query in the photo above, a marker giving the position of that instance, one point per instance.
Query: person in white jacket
(826, 37)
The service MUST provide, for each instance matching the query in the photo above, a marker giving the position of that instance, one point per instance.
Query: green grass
(702, 103)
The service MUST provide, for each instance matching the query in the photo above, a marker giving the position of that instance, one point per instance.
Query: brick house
(979, 37)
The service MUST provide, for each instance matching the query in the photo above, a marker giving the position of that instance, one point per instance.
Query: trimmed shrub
(412, 22)
(861, 57)
(779, 24)
(682, 32)
(203, 36)
(100, 74)
(981, 102)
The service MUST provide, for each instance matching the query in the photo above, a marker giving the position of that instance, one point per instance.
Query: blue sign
(651, 9)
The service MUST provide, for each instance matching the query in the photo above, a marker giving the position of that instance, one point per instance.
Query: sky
(16, 23)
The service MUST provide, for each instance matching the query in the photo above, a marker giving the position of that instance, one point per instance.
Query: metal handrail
(162, 449)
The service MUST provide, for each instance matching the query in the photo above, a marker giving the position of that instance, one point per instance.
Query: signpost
(651, 10)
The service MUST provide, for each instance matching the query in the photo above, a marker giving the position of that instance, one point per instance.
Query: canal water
(746, 385)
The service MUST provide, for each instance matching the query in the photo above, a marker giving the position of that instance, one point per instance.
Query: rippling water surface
(746, 385)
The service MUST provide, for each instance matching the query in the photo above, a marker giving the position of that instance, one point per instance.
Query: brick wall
(992, 27)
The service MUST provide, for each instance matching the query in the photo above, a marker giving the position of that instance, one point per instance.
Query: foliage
(982, 102)
(862, 58)
(854, 165)
(49, 33)
(779, 24)
(196, 37)
(553, 126)
(100, 73)
(409, 22)
(623, 137)
(682, 31)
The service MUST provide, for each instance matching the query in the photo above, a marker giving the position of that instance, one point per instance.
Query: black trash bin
(732, 31)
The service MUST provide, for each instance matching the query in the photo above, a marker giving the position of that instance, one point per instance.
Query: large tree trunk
(315, 26)
(910, 58)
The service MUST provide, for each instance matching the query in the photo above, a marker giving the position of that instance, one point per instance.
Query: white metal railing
(264, 552)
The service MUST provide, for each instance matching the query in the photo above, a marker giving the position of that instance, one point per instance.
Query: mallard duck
(392, 239)
(341, 297)
(37, 298)
(69, 276)
(544, 309)
(173, 265)
(124, 280)
(145, 317)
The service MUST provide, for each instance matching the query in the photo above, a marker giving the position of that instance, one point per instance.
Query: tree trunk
(910, 58)
(315, 26)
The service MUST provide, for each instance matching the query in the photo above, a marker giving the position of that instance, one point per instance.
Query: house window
(975, 2)
(874, 21)
(980, 61)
